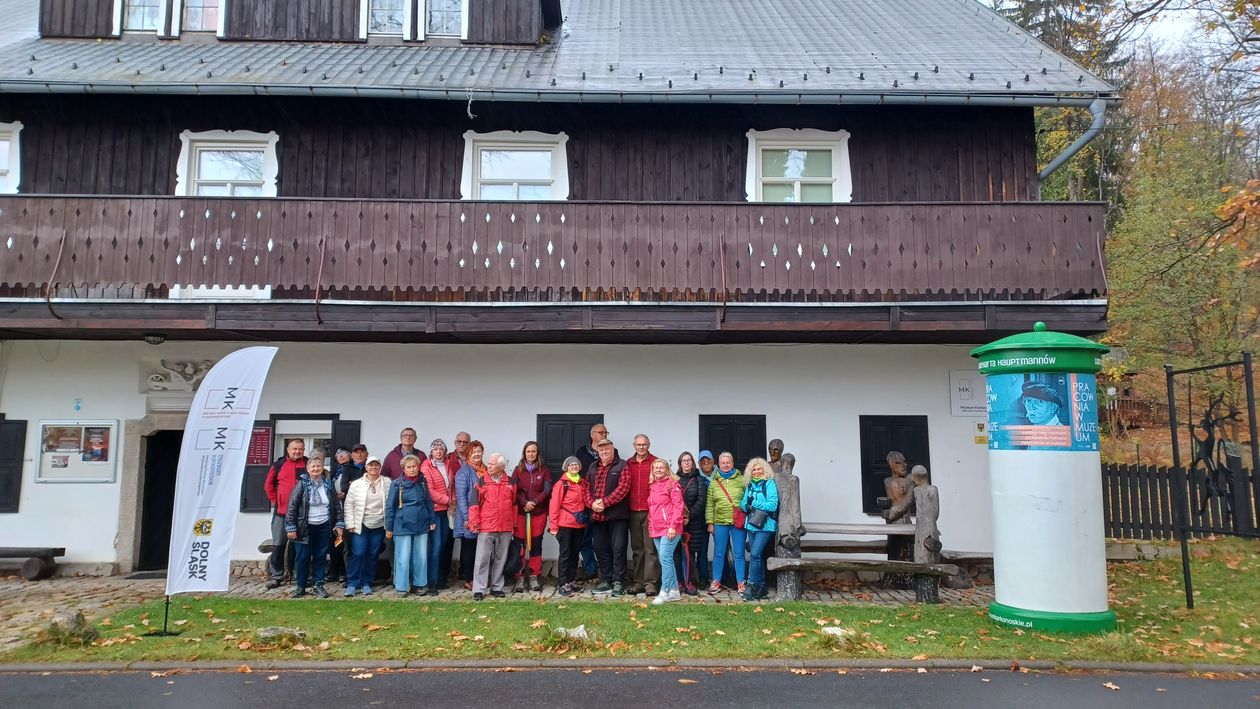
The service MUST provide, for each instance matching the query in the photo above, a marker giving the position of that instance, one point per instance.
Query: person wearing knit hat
(567, 519)
(437, 473)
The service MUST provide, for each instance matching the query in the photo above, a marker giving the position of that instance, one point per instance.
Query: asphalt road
(605, 689)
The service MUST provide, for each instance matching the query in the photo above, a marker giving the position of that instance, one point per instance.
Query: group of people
(637, 525)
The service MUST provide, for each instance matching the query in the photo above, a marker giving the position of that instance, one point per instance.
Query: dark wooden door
(559, 435)
(881, 434)
(12, 451)
(744, 435)
(161, 458)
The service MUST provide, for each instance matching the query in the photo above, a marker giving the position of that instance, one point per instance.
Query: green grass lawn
(1148, 597)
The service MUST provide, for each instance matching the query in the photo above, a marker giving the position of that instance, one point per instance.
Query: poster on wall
(966, 393)
(1042, 411)
(77, 452)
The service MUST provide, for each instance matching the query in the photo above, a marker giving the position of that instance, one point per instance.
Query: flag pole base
(166, 617)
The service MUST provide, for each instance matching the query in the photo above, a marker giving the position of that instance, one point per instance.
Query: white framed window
(10, 157)
(199, 16)
(803, 165)
(223, 163)
(141, 15)
(526, 166)
(413, 19)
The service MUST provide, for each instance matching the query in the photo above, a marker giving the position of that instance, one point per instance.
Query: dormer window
(799, 166)
(445, 18)
(200, 16)
(142, 15)
(226, 164)
(386, 17)
(525, 166)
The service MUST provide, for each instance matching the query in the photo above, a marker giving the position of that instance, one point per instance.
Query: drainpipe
(1098, 108)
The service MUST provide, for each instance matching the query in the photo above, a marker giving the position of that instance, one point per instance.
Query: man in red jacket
(281, 479)
(645, 570)
(493, 517)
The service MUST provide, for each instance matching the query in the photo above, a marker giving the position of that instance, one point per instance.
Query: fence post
(1250, 382)
(1179, 487)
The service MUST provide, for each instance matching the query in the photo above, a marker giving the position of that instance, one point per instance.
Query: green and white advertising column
(1049, 554)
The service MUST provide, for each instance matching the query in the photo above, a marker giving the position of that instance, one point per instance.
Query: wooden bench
(39, 562)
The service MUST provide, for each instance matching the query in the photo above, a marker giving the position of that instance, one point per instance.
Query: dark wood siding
(413, 149)
(504, 21)
(76, 18)
(297, 20)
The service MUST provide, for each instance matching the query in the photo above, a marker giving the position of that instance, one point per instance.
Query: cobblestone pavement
(24, 605)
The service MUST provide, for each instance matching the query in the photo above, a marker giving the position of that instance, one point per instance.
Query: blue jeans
(724, 534)
(665, 552)
(365, 547)
(589, 564)
(757, 564)
(411, 560)
(437, 543)
(316, 546)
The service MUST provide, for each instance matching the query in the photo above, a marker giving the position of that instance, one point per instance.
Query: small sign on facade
(966, 393)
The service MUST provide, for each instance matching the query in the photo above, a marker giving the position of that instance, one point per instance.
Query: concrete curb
(728, 664)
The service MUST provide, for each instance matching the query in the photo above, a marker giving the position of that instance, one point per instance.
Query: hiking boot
(618, 589)
(520, 585)
(273, 583)
(498, 594)
(565, 590)
(479, 596)
(433, 591)
(602, 588)
(536, 585)
(649, 589)
(298, 593)
(761, 591)
(320, 592)
(691, 590)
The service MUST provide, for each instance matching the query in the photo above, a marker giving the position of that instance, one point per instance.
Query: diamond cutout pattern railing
(567, 251)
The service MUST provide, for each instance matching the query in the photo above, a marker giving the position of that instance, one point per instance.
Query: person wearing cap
(533, 492)
(587, 455)
(365, 521)
(705, 460)
(409, 519)
(441, 479)
(567, 519)
(344, 474)
(1042, 404)
(692, 559)
(609, 486)
(391, 467)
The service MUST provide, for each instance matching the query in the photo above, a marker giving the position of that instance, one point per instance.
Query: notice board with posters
(77, 452)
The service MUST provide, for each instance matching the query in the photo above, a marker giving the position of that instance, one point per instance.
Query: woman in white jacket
(365, 521)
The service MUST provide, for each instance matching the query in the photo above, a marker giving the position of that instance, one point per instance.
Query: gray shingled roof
(904, 51)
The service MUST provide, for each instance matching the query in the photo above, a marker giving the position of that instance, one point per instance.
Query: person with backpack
(761, 503)
(492, 517)
(281, 478)
(568, 516)
(726, 520)
(312, 521)
(409, 519)
(665, 525)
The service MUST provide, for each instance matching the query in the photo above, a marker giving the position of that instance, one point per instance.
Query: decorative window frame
(415, 20)
(120, 7)
(188, 142)
(515, 140)
(177, 18)
(11, 171)
(836, 141)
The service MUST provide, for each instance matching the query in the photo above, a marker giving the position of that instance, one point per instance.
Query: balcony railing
(555, 251)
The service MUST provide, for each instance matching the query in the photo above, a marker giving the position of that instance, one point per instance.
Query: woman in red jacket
(567, 520)
(533, 490)
(441, 482)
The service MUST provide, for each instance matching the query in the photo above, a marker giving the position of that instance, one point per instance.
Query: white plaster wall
(811, 395)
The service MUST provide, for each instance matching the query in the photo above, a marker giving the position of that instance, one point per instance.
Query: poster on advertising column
(1042, 411)
(211, 465)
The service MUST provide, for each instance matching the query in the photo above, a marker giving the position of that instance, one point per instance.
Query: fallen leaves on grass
(538, 623)
(245, 669)
(799, 671)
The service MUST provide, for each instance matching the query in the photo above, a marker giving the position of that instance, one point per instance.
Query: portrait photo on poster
(1042, 411)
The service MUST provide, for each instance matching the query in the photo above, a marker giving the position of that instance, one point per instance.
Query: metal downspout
(1099, 109)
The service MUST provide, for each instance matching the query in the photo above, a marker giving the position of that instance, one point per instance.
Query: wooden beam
(871, 530)
(844, 546)
(879, 565)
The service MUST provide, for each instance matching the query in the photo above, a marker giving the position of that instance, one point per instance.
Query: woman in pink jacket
(665, 525)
